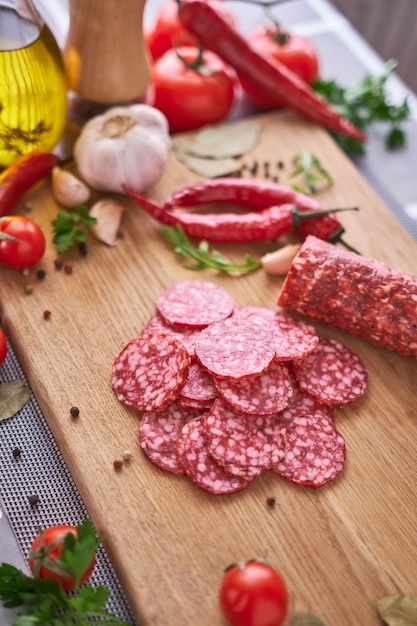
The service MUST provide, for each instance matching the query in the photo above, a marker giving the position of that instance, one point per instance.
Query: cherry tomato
(168, 32)
(30, 247)
(253, 594)
(3, 347)
(295, 52)
(191, 98)
(47, 546)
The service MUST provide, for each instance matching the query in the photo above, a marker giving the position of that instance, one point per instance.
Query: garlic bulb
(125, 147)
(67, 189)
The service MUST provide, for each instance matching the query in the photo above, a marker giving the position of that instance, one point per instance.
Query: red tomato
(295, 52)
(30, 247)
(47, 545)
(168, 31)
(191, 98)
(3, 347)
(253, 594)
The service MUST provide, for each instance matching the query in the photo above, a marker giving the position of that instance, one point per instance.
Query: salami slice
(243, 444)
(192, 405)
(200, 467)
(300, 402)
(256, 313)
(314, 452)
(293, 339)
(159, 432)
(194, 304)
(234, 348)
(332, 374)
(356, 294)
(187, 336)
(149, 372)
(200, 386)
(266, 394)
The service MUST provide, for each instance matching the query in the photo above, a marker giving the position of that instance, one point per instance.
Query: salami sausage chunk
(234, 348)
(314, 452)
(194, 304)
(159, 432)
(200, 467)
(149, 372)
(356, 294)
(332, 374)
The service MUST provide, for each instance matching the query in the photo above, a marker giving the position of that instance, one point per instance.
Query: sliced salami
(234, 348)
(149, 372)
(191, 405)
(243, 444)
(194, 304)
(159, 432)
(332, 374)
(256, 313)
(187, 336)
(266, 394)
(300, 402)
(314, 452)
(200, 467)
(293, 339)
(200, 386)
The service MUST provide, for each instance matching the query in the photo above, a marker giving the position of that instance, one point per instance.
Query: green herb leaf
(13, 396)
(314, 174)
(68, 227)
(202, 255)
(301, 616)
(365, 103)
(398, 610)
(45, 603)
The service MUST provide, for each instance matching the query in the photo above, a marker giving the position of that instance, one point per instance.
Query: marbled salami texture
(355, 294)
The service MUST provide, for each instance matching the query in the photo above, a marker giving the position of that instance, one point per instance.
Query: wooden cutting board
(342, 547)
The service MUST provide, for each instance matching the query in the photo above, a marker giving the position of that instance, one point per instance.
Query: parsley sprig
(45, 603)
(310, 168)
(364, 103)
(68, 227)
(203, 257)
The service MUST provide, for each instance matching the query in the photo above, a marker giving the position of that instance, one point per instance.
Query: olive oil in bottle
(33, 88)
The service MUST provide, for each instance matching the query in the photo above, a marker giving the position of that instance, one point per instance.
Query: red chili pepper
(19, 177)
(271, 78)
(258, 195)
(269, 223)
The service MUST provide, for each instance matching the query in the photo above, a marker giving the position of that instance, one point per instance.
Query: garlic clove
(68, 190)
(279, 261)
(108, 214)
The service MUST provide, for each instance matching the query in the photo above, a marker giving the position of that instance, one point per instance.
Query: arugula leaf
(364, 103)
(68, 227)
(309, 166)
(203, 256)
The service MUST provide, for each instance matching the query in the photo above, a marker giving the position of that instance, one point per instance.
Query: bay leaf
(301, 616)
(209, 168)
(13, 396)
(222, 141)
(398, 610)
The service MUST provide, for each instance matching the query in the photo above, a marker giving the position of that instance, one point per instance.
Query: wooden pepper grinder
(105, 54)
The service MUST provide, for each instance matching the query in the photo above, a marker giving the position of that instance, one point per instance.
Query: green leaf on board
(301, 616)
(13, 396)
(398, 610)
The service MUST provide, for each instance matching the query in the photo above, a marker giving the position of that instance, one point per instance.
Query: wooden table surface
(341, 547)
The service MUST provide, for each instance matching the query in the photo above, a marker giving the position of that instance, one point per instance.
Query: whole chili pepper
(19, 177)
(269, 77)
(269, 223)
(258, 195)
